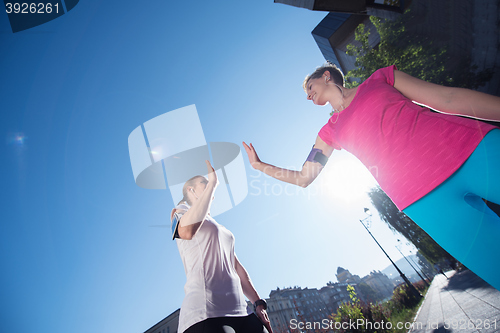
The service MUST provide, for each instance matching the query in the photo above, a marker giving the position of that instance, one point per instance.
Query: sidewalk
(461, 303)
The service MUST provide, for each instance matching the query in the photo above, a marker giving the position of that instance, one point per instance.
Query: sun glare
(347, 179)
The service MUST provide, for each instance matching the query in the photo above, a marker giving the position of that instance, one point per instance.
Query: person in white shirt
(216, 283)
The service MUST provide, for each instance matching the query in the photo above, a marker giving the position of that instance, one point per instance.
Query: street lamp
(398, 247)
(408, 283)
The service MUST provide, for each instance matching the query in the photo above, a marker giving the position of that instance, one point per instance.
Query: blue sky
(79, 244)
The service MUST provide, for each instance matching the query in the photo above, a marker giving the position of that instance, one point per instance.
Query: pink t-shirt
(409, 149)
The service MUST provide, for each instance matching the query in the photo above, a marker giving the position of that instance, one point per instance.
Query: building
(344, 276)
(468, 30)
(372, 287)
(365, 7)
(281, 311)
(336, 31)
(308, 303)
(334, 294)
(380, 282)
(167, 325)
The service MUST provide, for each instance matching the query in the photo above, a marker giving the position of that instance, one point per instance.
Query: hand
(252, 155)
(262, 314)
(212, 175)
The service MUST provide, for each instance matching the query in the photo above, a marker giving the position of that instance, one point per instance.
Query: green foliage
(352, 294)
(361, 313)
(403, 306)
(411, 53)
(368, 293)
(349, 313)
(426, 267)
(403, 298)
(400, 309)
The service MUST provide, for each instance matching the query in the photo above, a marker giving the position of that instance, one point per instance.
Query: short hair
(335, 72)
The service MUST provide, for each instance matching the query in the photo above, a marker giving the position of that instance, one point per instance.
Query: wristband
(259, 302)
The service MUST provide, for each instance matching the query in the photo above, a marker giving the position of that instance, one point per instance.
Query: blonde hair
(190, 182)
(335, 73)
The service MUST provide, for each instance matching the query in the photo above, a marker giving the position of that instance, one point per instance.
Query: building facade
(344, 276)
(168, 324)
(334, 294)
(336, 31)
(281, 311)
(308, 303)
(365, 7)
(380, 282)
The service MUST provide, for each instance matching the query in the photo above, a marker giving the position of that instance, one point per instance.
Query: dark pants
(248, 324)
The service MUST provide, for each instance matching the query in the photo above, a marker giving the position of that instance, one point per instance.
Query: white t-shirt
(213, 288)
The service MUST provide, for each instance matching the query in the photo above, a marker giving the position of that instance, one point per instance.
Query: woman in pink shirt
(436, 166)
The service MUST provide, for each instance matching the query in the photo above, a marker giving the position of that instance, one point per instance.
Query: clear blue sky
(78, 247)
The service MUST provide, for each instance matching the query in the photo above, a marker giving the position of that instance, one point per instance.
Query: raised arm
(457, 101)
(191, 221)
(251, 293)
(304, 177)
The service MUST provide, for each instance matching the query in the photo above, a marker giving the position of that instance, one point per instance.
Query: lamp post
(397, 247)
(408, 283)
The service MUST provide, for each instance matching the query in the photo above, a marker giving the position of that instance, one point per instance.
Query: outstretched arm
(194, 217)
(304, 177)
(251, 293)
(457, 101)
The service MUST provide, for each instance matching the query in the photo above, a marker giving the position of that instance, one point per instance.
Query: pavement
(460, 302)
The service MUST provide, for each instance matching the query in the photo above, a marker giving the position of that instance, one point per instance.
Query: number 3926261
(31, 8)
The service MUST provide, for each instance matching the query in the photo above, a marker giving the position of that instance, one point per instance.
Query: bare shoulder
(325, 148)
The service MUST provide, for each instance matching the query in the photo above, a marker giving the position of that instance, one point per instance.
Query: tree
(368, 293)
(413, 54)
(369, 317)
(426, 266)
(401, 223)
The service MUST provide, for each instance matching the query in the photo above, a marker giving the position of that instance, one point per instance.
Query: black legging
(247, 324)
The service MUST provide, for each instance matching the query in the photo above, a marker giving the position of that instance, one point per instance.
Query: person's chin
(319, 103)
